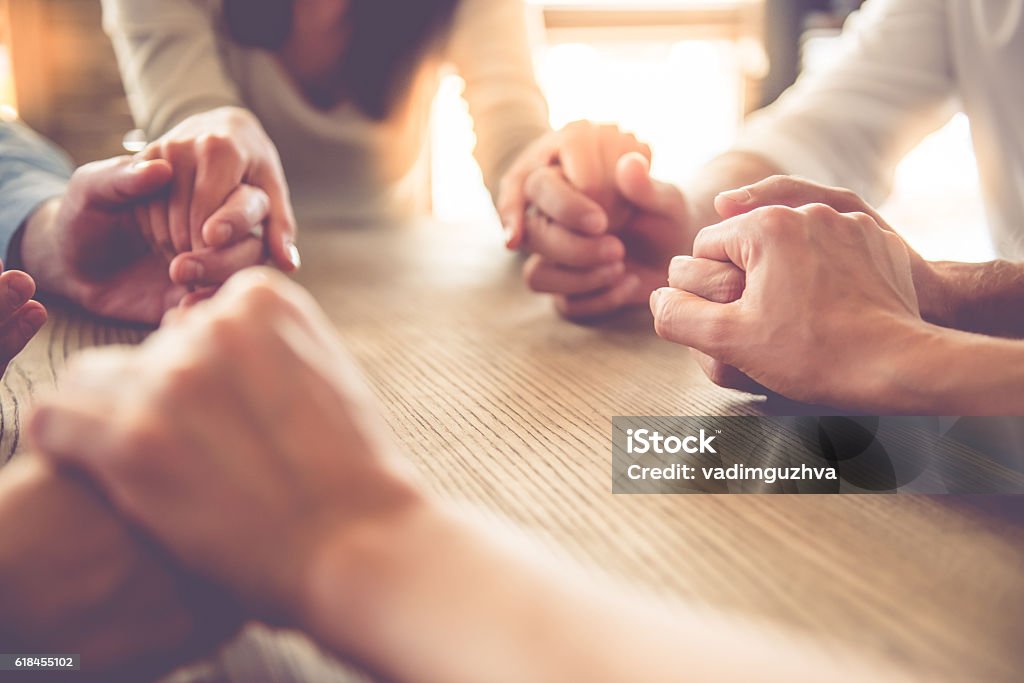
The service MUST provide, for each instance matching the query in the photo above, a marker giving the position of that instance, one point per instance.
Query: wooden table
(500, 403)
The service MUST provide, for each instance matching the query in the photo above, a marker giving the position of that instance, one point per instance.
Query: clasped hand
(599, 229)
(132, 238)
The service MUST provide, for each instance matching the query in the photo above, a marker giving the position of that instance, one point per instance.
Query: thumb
(791, 191)
(512, 200)
(634, 182)
(281, 226)
(119, 181)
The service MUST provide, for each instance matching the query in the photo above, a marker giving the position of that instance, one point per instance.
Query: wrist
(347, 582)
(909, 372)
(936, 292)
(38, 250)
(942, 371)
(891, 370)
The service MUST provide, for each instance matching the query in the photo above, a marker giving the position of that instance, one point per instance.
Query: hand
(827, 306)
(20, 317)
(795, 192)
(724, 282)
(242, 484)
(87, 246)
(75, 578)
(607, 244)
(721, 283)
(589, 203)
(592, 275)
(212, 154)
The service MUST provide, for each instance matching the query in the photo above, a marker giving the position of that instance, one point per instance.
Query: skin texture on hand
(796, 192)
(212, 155)
(184, 437)
(75, 578)
(88, 246)
(827, 309)
(20, 316)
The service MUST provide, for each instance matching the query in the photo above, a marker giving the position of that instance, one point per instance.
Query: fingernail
(655, 295)
(594, 222)
(222, 232)
(293, 256)
(682, 258)
(738, 196)
(142, 164)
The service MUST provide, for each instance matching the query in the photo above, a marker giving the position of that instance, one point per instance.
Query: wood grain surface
(501, 404)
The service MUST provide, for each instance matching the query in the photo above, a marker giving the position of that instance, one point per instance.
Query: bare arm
(345, 545)
(951, 372)
(431, 596)
(987, 298)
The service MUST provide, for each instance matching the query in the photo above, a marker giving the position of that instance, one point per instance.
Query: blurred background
(681, 74)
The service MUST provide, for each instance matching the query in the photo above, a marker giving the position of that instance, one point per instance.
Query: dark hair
(388, 39)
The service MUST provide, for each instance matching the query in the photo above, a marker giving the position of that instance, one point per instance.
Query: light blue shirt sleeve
(31, 171)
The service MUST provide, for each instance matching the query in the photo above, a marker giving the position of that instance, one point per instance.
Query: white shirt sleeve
(169, 59)
(491, 50)
(850, 123)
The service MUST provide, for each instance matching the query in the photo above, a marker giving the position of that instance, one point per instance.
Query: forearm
(987, 298)
(433, 597)
(489, 46)
(170, 58)
(951, 372)
(75, 578)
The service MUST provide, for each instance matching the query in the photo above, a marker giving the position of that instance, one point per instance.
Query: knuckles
(819, 213)
(664, 318)
(776, 223)
(846, 199)
(263, 298)
(729, 287)
(217, 147)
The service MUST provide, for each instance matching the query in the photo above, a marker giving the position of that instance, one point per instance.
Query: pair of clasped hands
(219, 198)
(132, 238)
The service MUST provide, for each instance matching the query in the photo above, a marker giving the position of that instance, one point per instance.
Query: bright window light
(683, 98)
